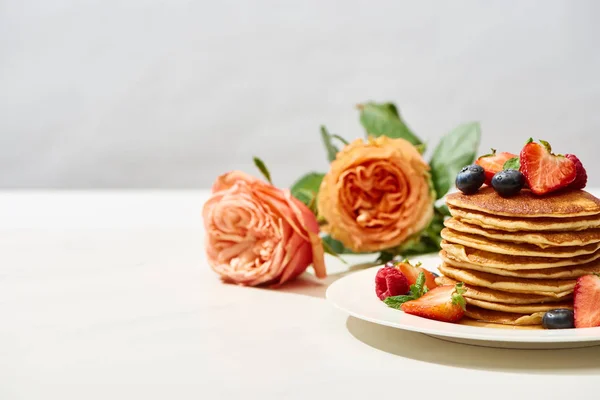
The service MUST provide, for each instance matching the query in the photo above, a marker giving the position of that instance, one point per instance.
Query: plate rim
(446, 329)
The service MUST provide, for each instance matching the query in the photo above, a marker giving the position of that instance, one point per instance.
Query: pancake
(503, 261)
(501, 317)
(566, 204)
(519, 308)
(541, 239)
(514, 224)
(498, 296)
(574, 271)
(481, 324)
(544, 287)
(519, 249)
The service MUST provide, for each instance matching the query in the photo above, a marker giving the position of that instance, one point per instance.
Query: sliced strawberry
(493, 163)
(390, 282)
(443, 303)
(581, 175)
(586, 301)
(545, 171)
(412, 273)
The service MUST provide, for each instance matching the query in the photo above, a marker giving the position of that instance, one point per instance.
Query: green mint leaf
(397, 301)
(383, 119)
(513, 163)
(456, 149)
(262, 168)
(331, 149)
(341, 139)
(421, 281)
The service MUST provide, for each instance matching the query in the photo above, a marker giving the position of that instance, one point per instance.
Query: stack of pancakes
(520, 256)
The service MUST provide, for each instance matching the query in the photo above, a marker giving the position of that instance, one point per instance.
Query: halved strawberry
(412, 273)
(493, 163)
(443, 303)
(545, 171)
(586, 301)
(581, 175)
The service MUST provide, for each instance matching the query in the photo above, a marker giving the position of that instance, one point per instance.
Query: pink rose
(258, 234)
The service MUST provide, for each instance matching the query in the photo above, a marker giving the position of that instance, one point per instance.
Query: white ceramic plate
(355, 294)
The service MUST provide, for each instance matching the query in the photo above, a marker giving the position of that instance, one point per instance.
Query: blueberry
(470, 179)
(434, 274)
(561, 318)
(508, 183)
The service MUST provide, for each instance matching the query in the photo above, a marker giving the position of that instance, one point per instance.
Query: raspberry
(581, 177)
(390, 282)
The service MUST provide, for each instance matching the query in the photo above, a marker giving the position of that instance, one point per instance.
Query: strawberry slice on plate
(443, 303)
(411, 272)
(493, 163)
(545, 171)
(586, 301)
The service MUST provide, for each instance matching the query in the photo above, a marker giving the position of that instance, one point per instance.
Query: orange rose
(258, 234)
(376, 194)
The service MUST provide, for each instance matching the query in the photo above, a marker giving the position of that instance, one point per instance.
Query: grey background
(170, 94)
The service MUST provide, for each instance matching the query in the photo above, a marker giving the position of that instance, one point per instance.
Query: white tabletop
(107, 295)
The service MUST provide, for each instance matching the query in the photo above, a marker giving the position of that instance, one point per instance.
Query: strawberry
(581, 175)
(493, 163)
(443, 303)
(545, 171)
(586, 301)
(412, 273)
(390, 282)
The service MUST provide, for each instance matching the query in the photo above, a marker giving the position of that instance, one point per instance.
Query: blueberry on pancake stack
(519, 256)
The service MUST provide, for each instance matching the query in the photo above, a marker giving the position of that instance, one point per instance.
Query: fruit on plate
(586, 301)
(470, 179)
(411, 272)
(493, 163)
(443, 303)
(390, 282)
(560, 318)
(508, 182)
(544, 171)
(581, 175)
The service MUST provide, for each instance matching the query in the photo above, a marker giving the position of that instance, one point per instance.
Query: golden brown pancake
(541, 239)
(515, 224)
(519, 308)
(512, 249)
(572, 272)
(567, 204)
(544, 287)
(481, 324)
(498, 296)
(501, 317)
(504, 261)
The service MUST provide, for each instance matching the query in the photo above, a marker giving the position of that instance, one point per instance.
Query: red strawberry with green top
(586, 301)
(412, 273)
(444, 303)
(493, 163)
(581, 175)
(545, 171)
(390, 282)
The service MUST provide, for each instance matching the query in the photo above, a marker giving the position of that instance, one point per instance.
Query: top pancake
(574, 203)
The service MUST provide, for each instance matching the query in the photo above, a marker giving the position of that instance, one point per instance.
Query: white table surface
(107, 295)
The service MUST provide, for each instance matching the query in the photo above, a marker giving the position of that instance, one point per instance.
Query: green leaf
(512, 163)
(383, 119)
(456, 150)
(329, 250)
(397, 301)
(335, 245)
(457, 296)
(331, 149)
(306, 189)
(262, 168)
(341, 139)
(421, 148)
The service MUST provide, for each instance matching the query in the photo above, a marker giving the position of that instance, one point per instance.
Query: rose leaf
(383, 119)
